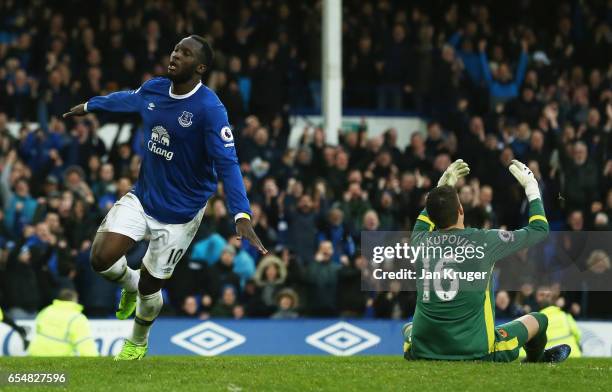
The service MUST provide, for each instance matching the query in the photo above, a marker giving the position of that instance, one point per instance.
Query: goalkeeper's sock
(535, 347)
(120, 273)
(147, 309)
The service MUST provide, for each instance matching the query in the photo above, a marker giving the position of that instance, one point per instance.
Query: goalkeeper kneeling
(454, 320)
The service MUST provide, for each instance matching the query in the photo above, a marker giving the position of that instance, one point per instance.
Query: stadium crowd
(496, 81)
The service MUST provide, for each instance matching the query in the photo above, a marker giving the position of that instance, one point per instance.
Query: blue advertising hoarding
(273, 337)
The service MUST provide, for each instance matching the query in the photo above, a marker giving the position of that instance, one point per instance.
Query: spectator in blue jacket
(464, 47)
(37, 146)
(19, 206)
(502, 87)
(336, 231)
(209, 249)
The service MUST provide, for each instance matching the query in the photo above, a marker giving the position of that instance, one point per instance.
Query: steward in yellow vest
(62, 329)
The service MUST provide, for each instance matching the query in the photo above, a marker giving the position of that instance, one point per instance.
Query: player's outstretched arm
(451, 175)
(220, 146)
(537, 216)
(120, 101)
(504, 243)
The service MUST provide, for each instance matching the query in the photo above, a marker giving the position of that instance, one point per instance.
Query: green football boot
(127, 304)
(131, 351)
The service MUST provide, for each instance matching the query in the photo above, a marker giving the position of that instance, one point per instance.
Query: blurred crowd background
(495, 81)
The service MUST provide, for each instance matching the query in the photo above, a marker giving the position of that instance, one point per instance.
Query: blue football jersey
(188, 142)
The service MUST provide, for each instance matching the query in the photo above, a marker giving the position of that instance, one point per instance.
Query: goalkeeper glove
(526, 178)
(454, 172)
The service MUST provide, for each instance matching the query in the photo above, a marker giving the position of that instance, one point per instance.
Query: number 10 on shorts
(175, 257)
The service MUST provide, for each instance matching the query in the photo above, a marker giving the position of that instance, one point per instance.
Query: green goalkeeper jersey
(455, 311)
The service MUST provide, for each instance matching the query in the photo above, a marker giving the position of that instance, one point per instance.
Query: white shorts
(167, 243)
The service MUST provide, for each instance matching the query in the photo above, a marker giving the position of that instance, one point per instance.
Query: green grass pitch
(310, 373)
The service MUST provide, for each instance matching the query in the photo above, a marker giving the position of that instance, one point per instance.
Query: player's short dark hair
(443, 206)
(206, 52)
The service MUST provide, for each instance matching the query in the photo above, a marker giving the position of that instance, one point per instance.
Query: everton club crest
(185, 119)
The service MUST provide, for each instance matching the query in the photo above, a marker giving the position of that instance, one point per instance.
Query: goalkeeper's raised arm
(503, 243)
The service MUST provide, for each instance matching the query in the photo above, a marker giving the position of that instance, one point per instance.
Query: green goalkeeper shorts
(509, 338)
